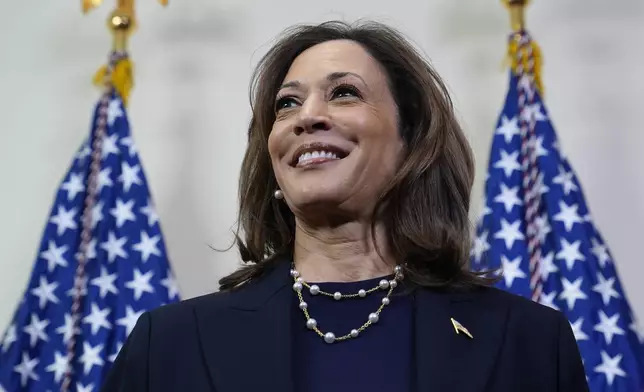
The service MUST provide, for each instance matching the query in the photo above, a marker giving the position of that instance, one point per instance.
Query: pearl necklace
(314, 289)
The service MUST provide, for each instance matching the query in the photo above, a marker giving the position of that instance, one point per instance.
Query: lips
(313, 153)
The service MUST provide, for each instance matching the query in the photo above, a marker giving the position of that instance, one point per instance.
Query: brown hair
(424, 208)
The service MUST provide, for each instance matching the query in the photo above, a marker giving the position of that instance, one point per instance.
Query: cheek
(272, 145)
(274, 154)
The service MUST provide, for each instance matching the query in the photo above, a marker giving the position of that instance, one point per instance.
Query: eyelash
(341, 86)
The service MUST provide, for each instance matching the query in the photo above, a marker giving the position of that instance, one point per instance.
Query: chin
(312, 201)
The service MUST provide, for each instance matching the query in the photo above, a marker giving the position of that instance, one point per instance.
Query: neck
(345, 253)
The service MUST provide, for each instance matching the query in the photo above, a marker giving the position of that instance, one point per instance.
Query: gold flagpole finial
(532, 59)
(516, 8)
(122, 23)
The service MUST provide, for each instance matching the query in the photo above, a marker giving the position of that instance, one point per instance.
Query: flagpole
(516, 8)
(114, 77)
(516, 12)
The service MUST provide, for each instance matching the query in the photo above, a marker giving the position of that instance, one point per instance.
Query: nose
(313, 116)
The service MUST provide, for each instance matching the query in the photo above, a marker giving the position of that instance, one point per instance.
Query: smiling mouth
(317, 153)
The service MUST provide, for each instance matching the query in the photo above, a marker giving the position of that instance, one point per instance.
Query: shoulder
(215, 305)
(185, 311)
(522, 313)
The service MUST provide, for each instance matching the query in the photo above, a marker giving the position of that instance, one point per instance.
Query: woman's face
(335, 142)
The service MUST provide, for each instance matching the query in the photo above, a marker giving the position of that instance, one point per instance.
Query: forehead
(334, 56)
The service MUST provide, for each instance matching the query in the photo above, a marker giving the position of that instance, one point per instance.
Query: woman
(354, 198)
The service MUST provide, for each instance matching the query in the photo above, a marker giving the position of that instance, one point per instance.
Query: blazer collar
(252, 335)
(246, 341)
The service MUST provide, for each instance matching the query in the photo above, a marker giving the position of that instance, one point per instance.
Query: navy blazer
(240, 341)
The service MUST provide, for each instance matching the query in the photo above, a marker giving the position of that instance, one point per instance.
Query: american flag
(102, 262)
(537, 227)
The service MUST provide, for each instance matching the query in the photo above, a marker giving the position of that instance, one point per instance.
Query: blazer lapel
(247, 342)
(451, 361)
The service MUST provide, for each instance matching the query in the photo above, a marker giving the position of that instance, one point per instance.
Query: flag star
(10, 337)
(532, 112)
(568, 215)
(26, 369)
(91, 357)
(59, 366)
(577, 329)
(109, 145)
(509, 232)
(512, 270)
(548, 299)
(508, 162)
(36, 330)
(73, 186)
(84, 388)
(105, 283)
(601, 252)
(566, 180)
(123, 212)
(105, 178)
(570, 253)
(508, 197)
(508, 128)
(151, 213)
(45, 292)
(98, 318)
(129, 143)
(171, 284)
(112, 357)
(547, 267)
(608, 326)
(480, 246)
(83, 152)
(114, 247)
(97, 213)
(147, 246)
(64, 220)
(610, 367)
(130, 319)
(605, 288)
(129, 176)
(572, 292)
(68, 329)
(140, 283)
(114, 111)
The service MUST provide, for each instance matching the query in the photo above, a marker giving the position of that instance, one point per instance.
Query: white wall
(189, 108)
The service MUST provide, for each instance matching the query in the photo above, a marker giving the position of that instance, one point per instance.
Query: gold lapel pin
(460, 328)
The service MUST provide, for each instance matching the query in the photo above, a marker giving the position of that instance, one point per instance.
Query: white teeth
(315, 155)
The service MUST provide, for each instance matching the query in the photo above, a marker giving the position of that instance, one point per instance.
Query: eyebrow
(333, 76)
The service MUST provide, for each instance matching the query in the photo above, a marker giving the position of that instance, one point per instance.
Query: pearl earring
(279, 195)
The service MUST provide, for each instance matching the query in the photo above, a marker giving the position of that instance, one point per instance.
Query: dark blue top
(379, 359)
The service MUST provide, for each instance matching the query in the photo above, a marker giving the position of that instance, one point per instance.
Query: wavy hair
(424, 207)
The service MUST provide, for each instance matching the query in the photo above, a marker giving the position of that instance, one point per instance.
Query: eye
(345, 91)
(285, 103)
